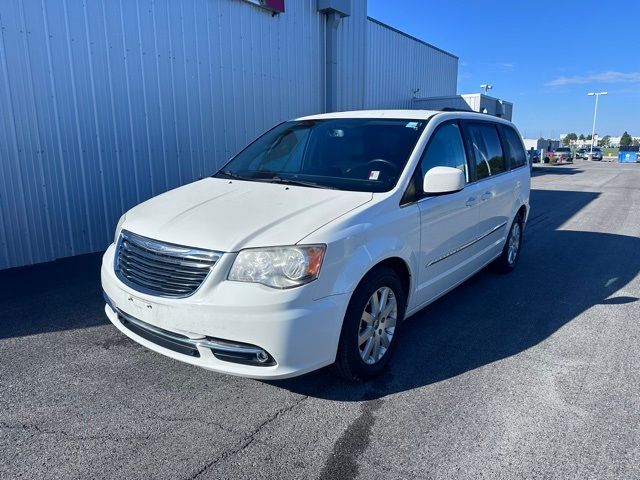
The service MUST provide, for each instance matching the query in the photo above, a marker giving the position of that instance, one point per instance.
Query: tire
(350, 361)
(507, 260)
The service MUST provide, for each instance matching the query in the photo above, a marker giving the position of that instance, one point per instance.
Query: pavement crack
(178, 419)
(248, 439)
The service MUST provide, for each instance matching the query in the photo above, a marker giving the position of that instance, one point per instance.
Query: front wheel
(370, 329)
(508, 259)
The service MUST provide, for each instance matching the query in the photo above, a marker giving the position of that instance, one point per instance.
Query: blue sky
(543, 56)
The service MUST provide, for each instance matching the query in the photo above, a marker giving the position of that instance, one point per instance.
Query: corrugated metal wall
(352, 57)
(399, 65)
(106, 103)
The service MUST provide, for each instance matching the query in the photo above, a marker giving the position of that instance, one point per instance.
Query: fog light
(262, 356)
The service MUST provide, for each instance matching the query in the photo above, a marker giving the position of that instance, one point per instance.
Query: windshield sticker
(374, 174)
(413, 125)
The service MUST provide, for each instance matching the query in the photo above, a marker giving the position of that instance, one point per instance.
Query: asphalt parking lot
(531, 375)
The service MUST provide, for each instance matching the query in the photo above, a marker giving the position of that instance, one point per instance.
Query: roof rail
(453, 109)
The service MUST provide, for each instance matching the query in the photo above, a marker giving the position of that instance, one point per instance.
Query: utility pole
(595, 112)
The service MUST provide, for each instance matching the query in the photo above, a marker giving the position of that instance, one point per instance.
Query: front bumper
(299, 333)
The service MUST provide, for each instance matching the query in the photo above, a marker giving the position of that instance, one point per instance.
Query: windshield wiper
(299, 183)
(230, 174)
(274, 179)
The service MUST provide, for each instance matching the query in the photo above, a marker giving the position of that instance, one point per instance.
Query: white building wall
(352, 56)
(105, 104)
(400, 67)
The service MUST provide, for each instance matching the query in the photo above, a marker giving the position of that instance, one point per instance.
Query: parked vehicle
(533, 156)
(595, 155)
(563, 155)
(582, 153)
(314, 243)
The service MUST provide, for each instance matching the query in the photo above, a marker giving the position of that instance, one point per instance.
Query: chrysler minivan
(313, 244)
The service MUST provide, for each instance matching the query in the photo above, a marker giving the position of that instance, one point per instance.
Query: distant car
(582, 153)
(597, 153)
(533, 156)
(563, 155)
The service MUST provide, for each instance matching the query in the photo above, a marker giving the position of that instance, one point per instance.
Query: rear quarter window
(515, 151)
(487, 149)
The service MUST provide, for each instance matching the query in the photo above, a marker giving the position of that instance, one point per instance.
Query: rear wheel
(370, 327)
(508, 259)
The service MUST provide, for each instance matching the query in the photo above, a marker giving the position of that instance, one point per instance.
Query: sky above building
(544, 56)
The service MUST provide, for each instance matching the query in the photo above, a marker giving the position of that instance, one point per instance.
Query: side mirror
(439, 180)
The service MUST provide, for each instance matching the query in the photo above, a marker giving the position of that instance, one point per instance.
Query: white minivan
(314, 243)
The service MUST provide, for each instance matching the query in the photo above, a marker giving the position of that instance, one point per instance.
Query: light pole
(486, 87)
(595, 112)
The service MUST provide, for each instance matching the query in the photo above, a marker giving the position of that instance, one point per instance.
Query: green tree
(604, 142)
(626, 140)
(581, 137)
(568, 138)
(636, 142)
(588, 137)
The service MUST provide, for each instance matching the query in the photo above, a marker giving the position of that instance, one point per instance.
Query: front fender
(357, 245)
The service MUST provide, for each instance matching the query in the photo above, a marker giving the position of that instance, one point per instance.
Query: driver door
(448, 222)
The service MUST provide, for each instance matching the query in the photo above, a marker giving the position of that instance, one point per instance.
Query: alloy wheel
(514, 243)
(377, 325)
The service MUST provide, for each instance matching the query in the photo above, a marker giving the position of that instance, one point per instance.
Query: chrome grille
(160, 268)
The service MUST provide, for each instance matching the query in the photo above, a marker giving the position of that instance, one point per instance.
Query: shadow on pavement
(557, 169)
(53, 296)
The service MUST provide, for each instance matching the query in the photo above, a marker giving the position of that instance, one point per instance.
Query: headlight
(119, 227)
(278, 267)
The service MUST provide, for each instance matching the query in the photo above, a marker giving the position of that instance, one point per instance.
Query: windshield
(346, 154)
(563, 149)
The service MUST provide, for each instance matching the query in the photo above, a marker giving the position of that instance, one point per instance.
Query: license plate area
(138, 308)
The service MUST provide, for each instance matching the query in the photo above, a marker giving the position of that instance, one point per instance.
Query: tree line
(625, 140)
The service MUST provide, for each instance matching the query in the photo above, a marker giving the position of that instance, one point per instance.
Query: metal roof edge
(382, 24)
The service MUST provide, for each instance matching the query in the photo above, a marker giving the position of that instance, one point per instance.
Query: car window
(487, 150)
(445, 149)
(517, 157)
(356, 154)
(285, 154)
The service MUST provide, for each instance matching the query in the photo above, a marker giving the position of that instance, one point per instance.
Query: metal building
(104, 104)
(473, 102)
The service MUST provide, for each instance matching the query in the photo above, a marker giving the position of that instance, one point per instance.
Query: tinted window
(358, 154)
(487, 150)
(517, 157)
(445, 149)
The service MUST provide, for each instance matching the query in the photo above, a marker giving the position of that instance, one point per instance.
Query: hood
(225, 215)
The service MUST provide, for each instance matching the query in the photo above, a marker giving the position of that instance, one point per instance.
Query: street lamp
(595, 112)
(486, 87)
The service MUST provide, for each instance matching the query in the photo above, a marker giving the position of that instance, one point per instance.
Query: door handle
(471, 202)
(486, 196)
